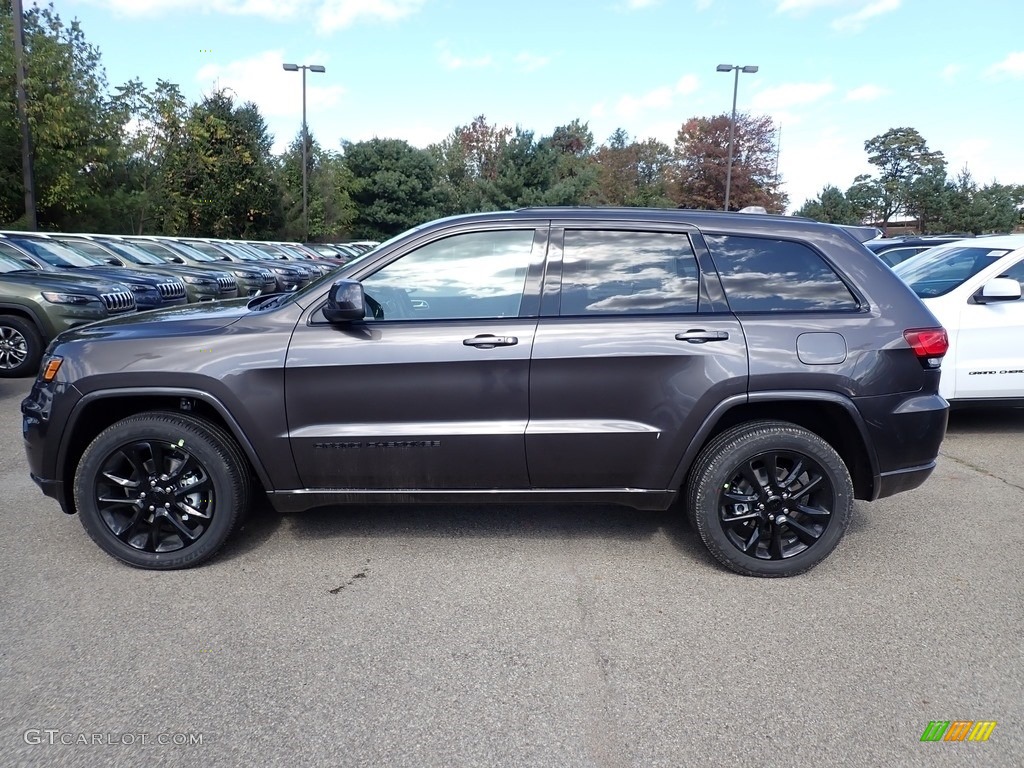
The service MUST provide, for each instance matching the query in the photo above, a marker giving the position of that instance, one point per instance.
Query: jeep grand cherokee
(765, 371)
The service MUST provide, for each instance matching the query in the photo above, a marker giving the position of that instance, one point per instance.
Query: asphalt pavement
(521, 636)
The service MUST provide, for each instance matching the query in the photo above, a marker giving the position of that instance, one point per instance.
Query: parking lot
(572, 636)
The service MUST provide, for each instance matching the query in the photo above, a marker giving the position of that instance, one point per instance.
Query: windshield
(938, 271)
(238, 251)
(55, 254)
(162, 253)
(210, 250)
(8, 264)
(189, 252)
(133, 253)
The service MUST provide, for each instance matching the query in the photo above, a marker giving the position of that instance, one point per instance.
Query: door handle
(488, 341)
(700, 336)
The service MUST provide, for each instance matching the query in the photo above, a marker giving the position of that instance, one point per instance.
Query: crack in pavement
(982, 470)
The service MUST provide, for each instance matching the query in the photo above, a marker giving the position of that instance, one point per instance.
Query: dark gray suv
(763, 371)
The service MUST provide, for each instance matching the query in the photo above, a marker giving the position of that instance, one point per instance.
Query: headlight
(196, 280)
(69, 298)
(241, 274)
(280, 271)
(139, 288)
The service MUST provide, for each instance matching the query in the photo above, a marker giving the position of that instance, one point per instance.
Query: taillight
(929, 344)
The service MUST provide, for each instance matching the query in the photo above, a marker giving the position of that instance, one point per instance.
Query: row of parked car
(50, 282)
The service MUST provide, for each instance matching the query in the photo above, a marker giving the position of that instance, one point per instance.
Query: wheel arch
(829, 415)
(98, 410)
(27, 313)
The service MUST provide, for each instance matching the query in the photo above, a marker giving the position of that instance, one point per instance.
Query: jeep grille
(121, 301)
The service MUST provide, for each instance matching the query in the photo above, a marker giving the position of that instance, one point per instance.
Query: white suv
(973, 287)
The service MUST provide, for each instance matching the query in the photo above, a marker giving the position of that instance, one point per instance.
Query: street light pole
(28, 175)
(732, 123)
(305, 141)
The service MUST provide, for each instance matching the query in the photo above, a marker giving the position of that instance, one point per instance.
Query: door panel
(614, 402)
(431, 390)
(628, 370)
(409, 405)
(989, 354)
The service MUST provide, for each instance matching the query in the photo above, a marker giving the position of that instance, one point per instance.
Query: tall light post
(732, 123)
(27, 171)
(305, 138)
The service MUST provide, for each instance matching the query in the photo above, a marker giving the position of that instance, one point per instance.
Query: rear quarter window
(767, 275)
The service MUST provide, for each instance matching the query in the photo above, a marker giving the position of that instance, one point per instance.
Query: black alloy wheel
(155, 496)
(162, 490)
(770, 498)
(776, 505)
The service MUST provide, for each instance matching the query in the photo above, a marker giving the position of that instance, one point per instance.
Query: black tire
(21, 347)
(177, 522)
(779, 526)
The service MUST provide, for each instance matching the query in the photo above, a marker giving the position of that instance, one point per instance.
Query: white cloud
(629, 106)
(950, 71)
(702, 5)
(278, 93)
(338, 14)
(687, 84)
(851, 22)
(1012, 65)
(271, 9)
(855, 22)
(636, 5)
(330, 14)
(801, 165)
(789, 95)
(452, 62)
(531, 62)
(866, 93)
(599, 110)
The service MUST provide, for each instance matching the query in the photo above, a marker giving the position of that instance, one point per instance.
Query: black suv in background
(252, 279)
(151, 291)
(893, 250)
(201, 284)
(765, 371)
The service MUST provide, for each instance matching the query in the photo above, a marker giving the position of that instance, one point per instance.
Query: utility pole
(28, 175)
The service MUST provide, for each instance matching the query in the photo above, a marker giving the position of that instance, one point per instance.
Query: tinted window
(473, 275)
(764, 275)
(608, 272)
(938, 271)
(894, 256)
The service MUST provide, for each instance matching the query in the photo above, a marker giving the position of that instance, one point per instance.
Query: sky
(832, 73)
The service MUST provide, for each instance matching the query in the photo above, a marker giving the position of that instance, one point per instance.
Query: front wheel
(770, 498)
(21, 347)
(161, 490)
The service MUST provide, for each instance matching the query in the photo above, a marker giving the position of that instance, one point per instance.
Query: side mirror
(345, 302)
(998, 289)
(113, 262)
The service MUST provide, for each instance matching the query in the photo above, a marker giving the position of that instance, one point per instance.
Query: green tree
(702, 159)
(220, 178)
(330, 205)
(902, 158)
(74, 131)
(392, 186)
(633, 173)
(830, 206)
(152, 131)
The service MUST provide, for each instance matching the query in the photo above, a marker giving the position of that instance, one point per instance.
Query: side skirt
(298, 501)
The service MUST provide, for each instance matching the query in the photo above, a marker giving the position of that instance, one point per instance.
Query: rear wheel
(21, 347)
(770, 498)
(162, 490)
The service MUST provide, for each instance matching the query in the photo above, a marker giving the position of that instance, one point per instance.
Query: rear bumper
(906, 431)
